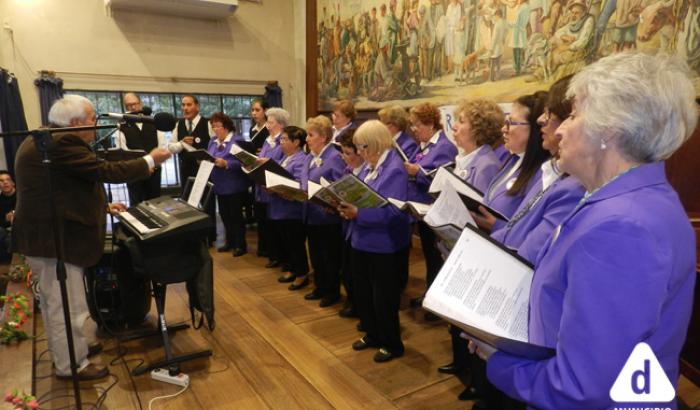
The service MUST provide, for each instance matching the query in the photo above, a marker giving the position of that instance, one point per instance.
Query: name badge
(197, 140)
(464, 173)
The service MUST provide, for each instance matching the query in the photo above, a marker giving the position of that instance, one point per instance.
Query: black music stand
(154, 262)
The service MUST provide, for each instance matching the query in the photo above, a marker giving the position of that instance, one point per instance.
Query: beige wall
(93, 48)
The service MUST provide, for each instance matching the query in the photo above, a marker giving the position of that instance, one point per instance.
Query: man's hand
(159, 155)
(10, 216)
(221, 163)
(115, 208)
(189, 140)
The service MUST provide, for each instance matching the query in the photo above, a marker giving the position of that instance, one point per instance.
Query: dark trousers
(460, 347)
(346, 266)
(292, 237)
(376, 282)
(433, 259)
(263, 228)
(275, 242)
(231, 211)
(146, 189)
(325, 242)
(493, 398)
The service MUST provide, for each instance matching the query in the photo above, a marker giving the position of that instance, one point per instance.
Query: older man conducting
(77, 176)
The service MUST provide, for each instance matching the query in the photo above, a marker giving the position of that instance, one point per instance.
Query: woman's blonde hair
(374, 135)
(320, 124)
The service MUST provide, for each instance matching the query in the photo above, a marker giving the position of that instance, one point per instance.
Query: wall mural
(381, 52)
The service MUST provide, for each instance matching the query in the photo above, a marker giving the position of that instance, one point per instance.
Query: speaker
(115, 296)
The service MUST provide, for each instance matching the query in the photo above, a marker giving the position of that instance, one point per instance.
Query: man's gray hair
(645, 103)
(70, 107)
(278, 114)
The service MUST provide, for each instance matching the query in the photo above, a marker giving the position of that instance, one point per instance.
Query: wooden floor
(272, 349)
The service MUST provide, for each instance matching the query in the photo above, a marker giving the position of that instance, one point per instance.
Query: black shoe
(94, 349)
(430, 317)
(416, 302)
(239, 252)
(347, 312)
(384, 355)
(272, 264)
(365, 342)
(359, 327)
(313, 295)
(224, 248)
(471, 393)
(451, 368)
(91, 372)
(286, 279)
(301, 285)
(329, 300)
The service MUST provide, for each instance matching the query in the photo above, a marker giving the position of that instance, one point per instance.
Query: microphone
(162, 120)
(146, 110)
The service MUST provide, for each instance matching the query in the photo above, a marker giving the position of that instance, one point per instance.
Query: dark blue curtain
(50, 90)
(11, 116)
(273, 94)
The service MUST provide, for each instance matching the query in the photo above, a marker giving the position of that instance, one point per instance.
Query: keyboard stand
(171, 362)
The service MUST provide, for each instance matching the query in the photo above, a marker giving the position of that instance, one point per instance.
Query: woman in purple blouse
(287, 213)
(354, 163)
(435, 150)
(477, 126)
(522, 137)
(322, 227)
(395, 118)
(379, 239)
(277, 119)
(619, 271)
(230, 183)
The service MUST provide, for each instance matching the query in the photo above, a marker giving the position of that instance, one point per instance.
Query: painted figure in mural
(624, 36)
(437, 14)
(500, 29)
(571, 44)
(692, 40)
(426, 40)
(452, 20)
(519, 39)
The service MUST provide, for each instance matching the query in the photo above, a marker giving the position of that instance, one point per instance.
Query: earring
(603, 146)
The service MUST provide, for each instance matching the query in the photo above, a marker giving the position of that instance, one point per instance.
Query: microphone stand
(42, 140)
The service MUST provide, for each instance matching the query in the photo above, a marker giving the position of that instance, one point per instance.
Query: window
(235, 106)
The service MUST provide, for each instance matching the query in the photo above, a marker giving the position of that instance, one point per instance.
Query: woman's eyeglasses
(509, 123)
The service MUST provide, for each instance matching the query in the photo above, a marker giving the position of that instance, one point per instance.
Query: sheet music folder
(484, 289)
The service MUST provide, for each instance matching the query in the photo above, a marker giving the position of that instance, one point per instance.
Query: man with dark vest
(145, 137)
(195, 131)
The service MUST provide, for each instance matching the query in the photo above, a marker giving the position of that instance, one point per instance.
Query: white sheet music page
(200, 182)
(483, 286)
(444, 177)
(449, 209)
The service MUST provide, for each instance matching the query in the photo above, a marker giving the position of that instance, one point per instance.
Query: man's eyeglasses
(509, 123)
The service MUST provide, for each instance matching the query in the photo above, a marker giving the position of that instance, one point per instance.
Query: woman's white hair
(278, 114)
(70, 107)
(645, 103)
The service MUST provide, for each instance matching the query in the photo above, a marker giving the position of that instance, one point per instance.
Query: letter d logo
(642, 379)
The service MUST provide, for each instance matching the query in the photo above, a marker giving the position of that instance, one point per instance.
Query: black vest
(201, 131)
(145, 139)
